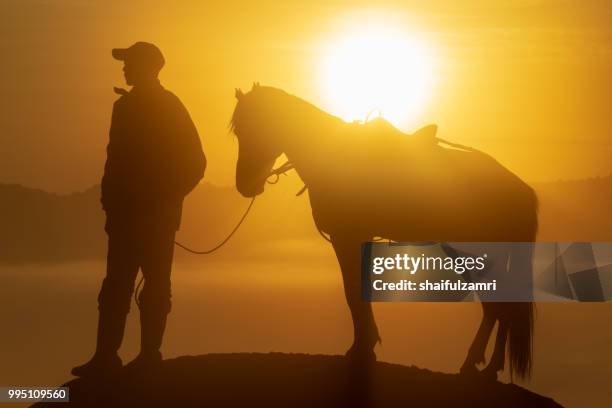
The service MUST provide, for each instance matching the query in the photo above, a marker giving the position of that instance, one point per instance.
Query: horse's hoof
(360, 355)
(488, 374)
(469, 370)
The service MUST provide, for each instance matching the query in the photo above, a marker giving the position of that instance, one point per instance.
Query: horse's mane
(268, 106)
(274, 102)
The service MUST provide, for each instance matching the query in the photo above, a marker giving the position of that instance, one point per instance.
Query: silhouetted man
(154, 159)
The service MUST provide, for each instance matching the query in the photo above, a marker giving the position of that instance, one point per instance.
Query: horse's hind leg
(476, 352)
(365, 332)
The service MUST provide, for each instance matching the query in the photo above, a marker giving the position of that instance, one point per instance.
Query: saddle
(424, 138)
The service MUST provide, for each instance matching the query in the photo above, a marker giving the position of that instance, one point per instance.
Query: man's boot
(152, 327)
(111, 325)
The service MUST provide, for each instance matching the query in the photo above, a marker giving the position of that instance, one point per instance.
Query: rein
(283, 169)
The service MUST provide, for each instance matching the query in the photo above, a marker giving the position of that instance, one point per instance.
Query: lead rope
(213, 249)
(276, 172)
(204, 252)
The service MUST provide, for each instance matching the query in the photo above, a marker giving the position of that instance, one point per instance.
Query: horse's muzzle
(250, 190)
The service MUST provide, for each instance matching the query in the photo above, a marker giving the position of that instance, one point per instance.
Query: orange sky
(527, 81)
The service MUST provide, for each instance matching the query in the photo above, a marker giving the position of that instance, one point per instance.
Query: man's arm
(189, 161)
(109, 187)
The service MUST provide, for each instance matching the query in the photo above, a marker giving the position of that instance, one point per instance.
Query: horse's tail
(520, 339)
(521, 314)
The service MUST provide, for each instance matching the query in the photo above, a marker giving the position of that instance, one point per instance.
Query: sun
(377, 68)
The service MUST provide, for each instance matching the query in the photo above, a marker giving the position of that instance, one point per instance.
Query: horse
(371, 180)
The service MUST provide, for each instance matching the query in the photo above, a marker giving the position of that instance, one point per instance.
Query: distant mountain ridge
(38, 226)
(42, 226)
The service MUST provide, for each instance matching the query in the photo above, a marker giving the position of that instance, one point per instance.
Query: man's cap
(141, 53)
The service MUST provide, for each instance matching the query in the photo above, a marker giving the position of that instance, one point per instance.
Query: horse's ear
(255, 85)
(239, 94)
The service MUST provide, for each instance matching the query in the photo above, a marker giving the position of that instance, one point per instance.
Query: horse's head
(253, 123)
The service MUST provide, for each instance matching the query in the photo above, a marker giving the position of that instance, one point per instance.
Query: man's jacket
(154, 160)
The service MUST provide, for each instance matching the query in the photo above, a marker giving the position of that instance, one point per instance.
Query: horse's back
(404, 189)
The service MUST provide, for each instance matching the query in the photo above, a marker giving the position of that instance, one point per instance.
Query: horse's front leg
(365, 332)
